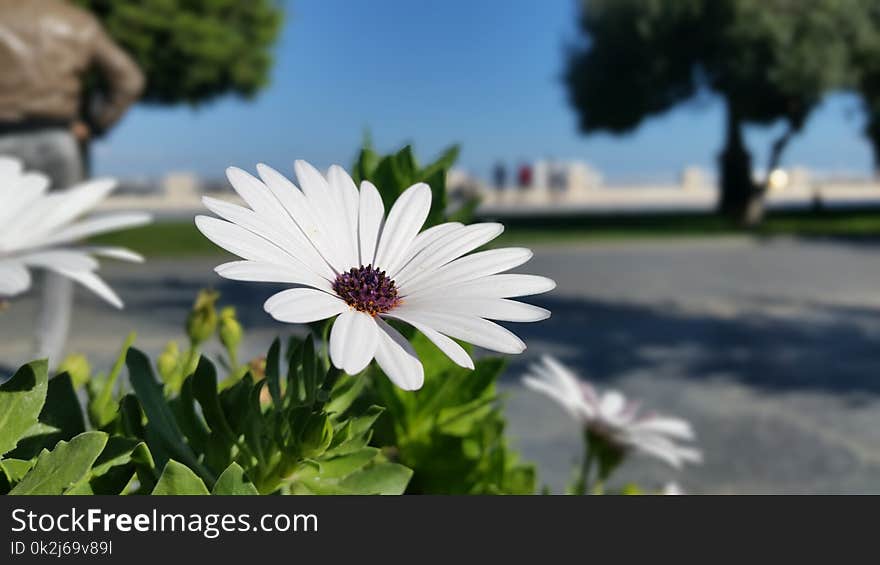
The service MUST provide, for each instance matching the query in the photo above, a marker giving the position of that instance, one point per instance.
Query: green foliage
(178, 479)
(451, 432)
(193, 51)
(394, 173)
(302, 437)
(275, 430)
(21, 400)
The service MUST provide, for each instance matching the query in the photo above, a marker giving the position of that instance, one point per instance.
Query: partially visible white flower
(344, 257)
(612, 417)
(40, 229)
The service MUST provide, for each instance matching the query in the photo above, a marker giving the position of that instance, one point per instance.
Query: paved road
(770, 348)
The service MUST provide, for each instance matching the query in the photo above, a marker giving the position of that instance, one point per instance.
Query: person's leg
(55, 154)
(62, 163)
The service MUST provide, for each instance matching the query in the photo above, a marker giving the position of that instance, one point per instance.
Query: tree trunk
(741, 200)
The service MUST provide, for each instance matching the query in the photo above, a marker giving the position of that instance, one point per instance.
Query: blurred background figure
(499, 175)
(524, 176)
(47, 49)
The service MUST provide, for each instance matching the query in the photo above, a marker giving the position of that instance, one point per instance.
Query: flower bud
(230, 330)
(77, 366)
(202, 321)
(168, 362)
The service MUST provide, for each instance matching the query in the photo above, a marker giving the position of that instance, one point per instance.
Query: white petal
(569, 404)
(447, 345)
(445, 249)
(467, 328)
(397, 358)
(303, 305)
(10, 167)
(493, 286)
(353, 341)
(302, 254)
(241, 242)
(425, 239)
(491, 308)
(255, 193)
(673, 427)
(612, 403)
(118, 253)
(60, 259)
(370, 219)
(566, 381)
(258, 271)
(328, 211)
(94, 283)
(348, 196)
(471, 267)
(19, 192)
(14, 278)
(298, 208)
(94, 226)
(404, 221)
(57, 209)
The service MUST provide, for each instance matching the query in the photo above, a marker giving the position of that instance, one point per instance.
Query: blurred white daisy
(344, 256)
(611, 417)
(40, 229)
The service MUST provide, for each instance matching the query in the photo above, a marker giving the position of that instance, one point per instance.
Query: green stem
(582, 483)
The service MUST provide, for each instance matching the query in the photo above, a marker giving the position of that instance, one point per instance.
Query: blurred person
(499, 175)
(47, 49)
(524, 176)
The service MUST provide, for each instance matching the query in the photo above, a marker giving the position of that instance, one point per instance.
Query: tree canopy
(193, 51)
(769, 60)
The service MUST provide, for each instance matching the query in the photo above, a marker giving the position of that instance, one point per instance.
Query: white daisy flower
(612, 417)
(345, 257)
(39, 229)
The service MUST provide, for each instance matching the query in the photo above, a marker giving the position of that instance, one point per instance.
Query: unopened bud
(202, 321)
(230, 330)
(77, 366)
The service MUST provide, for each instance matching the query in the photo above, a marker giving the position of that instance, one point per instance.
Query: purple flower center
(367, 289)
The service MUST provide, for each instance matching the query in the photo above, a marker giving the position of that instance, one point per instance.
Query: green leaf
(21, 400)
(365, 166)
(57, 470)
(381, 478)
(406, 165)
(190, 422)
(103, 409)
(345, 391)
(113, 470)
(161, 423)
(233, 482)
(60, 419)
(273, 378)
(16, 469)
(178, 479)
(338, 467)
(205, 391)
(437, 213)
(445, 162)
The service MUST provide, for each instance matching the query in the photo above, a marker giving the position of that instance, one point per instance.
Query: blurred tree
(193, 51)
(866, 62)
(769, 60)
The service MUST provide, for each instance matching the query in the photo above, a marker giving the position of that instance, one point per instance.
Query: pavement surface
(771, 349)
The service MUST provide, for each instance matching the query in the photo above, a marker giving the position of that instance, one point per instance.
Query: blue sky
(483, 73)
